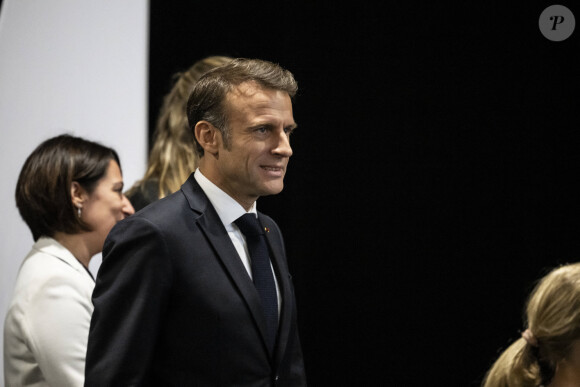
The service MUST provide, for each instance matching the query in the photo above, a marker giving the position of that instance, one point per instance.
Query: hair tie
(530, 338)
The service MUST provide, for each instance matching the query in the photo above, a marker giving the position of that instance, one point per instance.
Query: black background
(434, 178)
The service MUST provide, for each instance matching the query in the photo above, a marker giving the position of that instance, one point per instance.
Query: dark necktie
(261, 271)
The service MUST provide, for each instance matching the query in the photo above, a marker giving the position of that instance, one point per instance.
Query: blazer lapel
(214, 230)
(284, 283)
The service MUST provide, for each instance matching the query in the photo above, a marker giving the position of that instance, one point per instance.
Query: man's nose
(282, 146)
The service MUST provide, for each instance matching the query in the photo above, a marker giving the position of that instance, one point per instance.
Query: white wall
(75, 66)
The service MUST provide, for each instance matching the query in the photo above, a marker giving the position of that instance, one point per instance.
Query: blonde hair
(173, 156)
(553, 317)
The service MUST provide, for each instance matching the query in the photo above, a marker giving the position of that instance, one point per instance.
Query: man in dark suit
(188, 294)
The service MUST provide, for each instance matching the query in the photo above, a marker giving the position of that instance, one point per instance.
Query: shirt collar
(226, 207)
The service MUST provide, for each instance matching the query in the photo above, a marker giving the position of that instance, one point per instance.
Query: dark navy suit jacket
(175, 306)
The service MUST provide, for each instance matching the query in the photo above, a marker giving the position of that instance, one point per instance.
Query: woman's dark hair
(43, 191)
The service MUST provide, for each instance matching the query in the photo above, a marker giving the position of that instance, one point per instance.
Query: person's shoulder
(48, 259)
(160, 214)
(163, 214)
(172, 203)
(43, 276)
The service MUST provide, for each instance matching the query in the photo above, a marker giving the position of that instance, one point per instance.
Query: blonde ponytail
(516, 367)
(553, 318)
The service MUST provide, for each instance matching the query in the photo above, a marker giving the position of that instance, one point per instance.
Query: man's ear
(208, 136)
(78, 195)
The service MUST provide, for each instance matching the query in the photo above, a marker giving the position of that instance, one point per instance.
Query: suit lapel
(283, 276)
(215, 232)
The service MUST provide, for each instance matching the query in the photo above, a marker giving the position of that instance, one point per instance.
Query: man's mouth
(273, 170)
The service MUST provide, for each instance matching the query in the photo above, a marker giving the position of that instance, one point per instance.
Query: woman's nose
(127, 206)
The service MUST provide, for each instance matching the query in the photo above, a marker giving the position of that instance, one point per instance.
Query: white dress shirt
(229, 210)
(47, 324)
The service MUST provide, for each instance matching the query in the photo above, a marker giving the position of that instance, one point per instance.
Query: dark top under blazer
(145, 193)
(175, 306)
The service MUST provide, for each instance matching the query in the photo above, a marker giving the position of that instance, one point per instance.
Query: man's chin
(272, 190)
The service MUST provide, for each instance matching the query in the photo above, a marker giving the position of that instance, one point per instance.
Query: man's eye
(261, 129)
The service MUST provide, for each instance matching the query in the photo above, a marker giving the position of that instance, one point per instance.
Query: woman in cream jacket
(70, 194)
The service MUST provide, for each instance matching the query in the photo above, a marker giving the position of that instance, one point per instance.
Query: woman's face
(106, 205)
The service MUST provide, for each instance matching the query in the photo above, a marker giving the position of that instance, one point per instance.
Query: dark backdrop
(434, 177)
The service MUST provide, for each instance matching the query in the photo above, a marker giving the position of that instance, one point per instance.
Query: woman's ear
(78, 194)
(208, 136)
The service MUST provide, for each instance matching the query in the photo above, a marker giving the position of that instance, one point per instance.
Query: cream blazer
(47, 324)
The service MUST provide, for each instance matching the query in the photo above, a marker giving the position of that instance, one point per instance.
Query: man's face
(254, 161)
